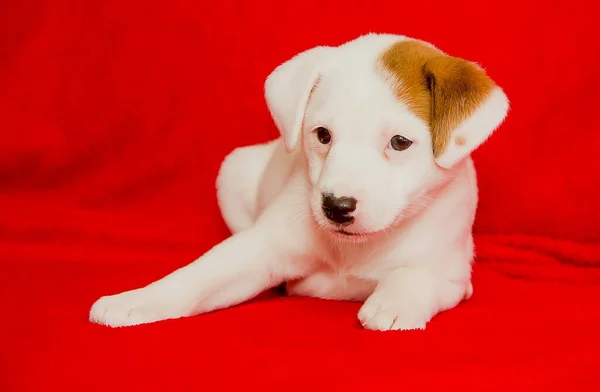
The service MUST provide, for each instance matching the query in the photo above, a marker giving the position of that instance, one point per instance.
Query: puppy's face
(381, 120)
(369, 157)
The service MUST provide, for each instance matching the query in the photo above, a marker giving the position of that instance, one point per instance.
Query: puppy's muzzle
(339, 209)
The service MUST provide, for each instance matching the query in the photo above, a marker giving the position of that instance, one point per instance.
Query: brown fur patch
(441, 90)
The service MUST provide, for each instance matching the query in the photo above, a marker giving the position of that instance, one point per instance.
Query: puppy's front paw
(121, 310)
(383, 313)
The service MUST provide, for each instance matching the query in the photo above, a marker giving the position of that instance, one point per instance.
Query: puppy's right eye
(323, 135)
(400, 143)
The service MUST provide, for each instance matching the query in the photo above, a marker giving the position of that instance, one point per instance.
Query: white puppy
(369, 195)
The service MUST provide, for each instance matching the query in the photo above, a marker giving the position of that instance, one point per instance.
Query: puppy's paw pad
(380, 315)
(119, 311)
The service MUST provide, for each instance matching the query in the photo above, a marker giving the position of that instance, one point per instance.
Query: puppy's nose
(338, 209)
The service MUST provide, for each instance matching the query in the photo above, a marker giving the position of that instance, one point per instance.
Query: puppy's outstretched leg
(233, 271)
(408, 298)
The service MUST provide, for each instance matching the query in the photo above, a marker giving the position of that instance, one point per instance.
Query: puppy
(368, 195)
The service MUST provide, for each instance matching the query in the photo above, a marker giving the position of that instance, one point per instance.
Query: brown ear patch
(441, 90)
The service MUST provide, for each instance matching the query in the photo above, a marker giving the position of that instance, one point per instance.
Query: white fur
(411, 250)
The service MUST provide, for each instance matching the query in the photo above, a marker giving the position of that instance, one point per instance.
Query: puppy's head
(382, 121)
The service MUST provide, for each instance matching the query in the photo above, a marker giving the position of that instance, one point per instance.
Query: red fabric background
(115, 116)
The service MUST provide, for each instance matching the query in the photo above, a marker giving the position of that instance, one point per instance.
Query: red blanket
(115, 116)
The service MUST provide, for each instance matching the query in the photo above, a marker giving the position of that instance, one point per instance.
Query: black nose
(338, 209)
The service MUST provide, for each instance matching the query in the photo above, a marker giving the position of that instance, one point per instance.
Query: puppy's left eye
(400, 143)
(323, 135)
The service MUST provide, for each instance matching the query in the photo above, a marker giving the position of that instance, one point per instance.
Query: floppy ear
(287, 90)
(466, 107)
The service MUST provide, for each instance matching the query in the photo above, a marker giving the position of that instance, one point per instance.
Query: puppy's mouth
(355, 236)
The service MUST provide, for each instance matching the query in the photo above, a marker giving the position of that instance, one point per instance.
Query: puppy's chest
(339, 275)
(368, 260)
(368, 263)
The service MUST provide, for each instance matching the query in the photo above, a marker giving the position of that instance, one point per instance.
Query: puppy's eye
(323, 135)
(400, 143)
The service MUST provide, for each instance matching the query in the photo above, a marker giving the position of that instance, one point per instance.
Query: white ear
(475, 129)
(287, 90)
